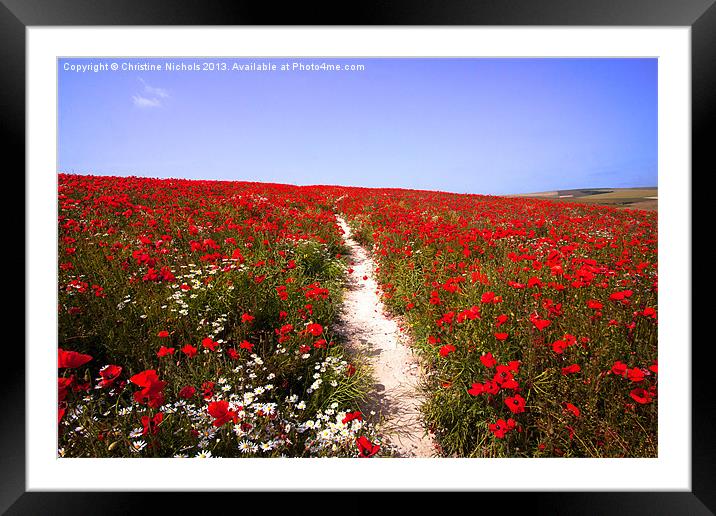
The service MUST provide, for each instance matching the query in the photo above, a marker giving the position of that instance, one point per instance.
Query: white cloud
(151, 90)
(144, 102)
(150, 97)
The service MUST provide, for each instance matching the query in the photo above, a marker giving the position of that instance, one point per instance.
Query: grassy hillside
(643, 198)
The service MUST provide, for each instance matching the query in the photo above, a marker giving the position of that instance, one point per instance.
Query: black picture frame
(700, 15)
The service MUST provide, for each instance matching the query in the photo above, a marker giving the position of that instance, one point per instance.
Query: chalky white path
(370, 333)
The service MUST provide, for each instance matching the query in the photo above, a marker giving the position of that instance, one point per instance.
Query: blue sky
(493, 126)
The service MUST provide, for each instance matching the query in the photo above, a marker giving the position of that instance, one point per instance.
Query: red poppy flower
(641, 396)
(209, 343)
(510, 384)
(71, 359)
(534, 281)
(476, 389)
(145, 378)
(151, 392)
(219, 410)
(492, 387)
(189, 350)
(515, 403)
(207, 390)
(594, 304)
(151, 425)
(164, 351)
(247, 318)
(488, 360)
(109, 374)
(501, 427)
(350, 416)
(571, 408)
(649, 312)
(62, 385)
(60, 414)
(501, 319)
(163, 334)
(247, 345)
(487, 297)
(233, 353)
(350, 370)
(635, 375)
(571, 369)
(654, 367)
(619, 368)
(187, 392)
(314, 329)
(621, 296)
(501, 336)
(558, 346)
(540, 324)
(365, 447)
(446, 350)
(503, 374)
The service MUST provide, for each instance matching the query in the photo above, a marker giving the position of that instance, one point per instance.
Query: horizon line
(308, 185)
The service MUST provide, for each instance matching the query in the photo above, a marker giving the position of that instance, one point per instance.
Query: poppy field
(198, 319)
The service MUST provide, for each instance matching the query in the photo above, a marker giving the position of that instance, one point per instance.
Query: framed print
(419, 250)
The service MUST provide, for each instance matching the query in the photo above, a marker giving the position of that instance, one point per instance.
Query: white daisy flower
(138, 446)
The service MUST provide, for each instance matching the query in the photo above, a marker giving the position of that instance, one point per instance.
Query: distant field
(634, 198)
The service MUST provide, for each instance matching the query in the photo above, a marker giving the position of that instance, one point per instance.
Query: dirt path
(371, 333)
